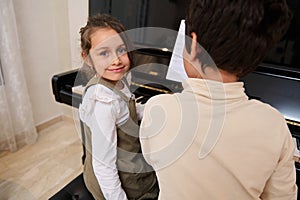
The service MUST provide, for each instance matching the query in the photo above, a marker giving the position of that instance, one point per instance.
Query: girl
(114, 167)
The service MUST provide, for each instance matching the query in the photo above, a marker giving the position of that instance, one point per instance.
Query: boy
(211, 141)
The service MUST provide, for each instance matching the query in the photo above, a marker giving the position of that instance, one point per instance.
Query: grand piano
(276, 81)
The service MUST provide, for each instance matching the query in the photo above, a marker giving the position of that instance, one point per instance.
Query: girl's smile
(117, 70)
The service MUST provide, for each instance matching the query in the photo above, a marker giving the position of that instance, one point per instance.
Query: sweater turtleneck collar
(215, 90)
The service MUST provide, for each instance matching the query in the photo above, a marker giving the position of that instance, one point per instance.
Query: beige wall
(78, 13)
(48, 31)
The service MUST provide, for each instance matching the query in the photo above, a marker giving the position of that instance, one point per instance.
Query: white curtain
(16, 119)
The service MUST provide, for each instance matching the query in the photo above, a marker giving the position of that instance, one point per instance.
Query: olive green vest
(138, 179)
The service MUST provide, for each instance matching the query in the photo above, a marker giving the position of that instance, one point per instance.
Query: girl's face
(109, 55)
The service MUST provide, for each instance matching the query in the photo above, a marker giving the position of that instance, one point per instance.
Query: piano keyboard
(297, 152)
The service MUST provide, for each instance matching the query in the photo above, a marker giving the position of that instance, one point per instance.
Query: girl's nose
(116, 61)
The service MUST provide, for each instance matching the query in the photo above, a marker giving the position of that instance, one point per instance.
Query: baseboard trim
(67, 118)
(54, 120)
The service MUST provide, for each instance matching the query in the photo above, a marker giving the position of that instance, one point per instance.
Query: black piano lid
(277, 87)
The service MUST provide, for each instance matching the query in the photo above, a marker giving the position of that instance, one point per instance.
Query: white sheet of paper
(176, 71)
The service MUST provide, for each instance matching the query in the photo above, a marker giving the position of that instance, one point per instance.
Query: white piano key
(297, 152)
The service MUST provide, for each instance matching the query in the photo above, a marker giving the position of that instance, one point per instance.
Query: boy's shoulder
(263, 110)
(161, 98)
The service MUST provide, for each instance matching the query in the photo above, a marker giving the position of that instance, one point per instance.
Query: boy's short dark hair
(238, 34)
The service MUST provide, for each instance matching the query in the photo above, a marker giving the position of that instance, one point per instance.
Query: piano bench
(75, 190)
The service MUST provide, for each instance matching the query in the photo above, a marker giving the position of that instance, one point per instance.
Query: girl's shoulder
(101, 93)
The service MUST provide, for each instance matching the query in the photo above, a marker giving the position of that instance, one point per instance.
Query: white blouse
(102, 110)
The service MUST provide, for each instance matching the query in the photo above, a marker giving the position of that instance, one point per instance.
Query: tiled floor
(38, 171)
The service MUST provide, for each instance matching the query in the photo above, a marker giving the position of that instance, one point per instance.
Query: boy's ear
(191, 47)
(194, 49)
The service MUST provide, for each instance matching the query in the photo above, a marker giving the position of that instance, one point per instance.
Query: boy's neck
(228, 77)
(220, 75)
